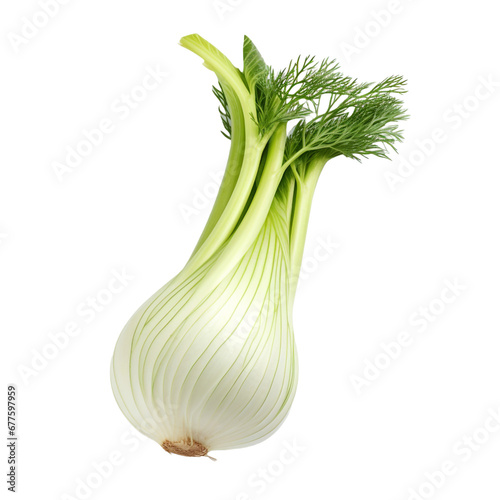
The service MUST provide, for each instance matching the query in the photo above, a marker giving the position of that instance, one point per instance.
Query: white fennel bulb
(210, 366)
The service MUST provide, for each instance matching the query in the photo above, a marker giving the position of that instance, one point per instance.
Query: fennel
(209, 361)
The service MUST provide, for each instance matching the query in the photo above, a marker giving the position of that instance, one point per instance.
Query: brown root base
(185, 448)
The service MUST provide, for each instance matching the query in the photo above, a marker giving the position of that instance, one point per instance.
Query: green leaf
(254, 67)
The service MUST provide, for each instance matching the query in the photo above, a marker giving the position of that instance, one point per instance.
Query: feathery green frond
(356, 123)
(224, 111)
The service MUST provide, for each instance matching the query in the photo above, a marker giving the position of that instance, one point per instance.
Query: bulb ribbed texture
(207, 366)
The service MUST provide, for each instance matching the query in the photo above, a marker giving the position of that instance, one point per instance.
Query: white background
(124, 208)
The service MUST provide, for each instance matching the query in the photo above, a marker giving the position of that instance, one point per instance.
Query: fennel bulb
(209, 361)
